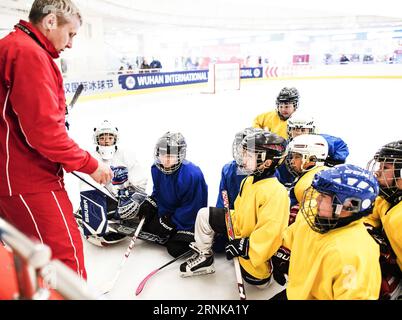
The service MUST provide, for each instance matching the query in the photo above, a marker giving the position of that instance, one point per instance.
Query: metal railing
(37, 274)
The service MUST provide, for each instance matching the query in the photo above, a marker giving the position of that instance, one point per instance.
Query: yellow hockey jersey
(261, 213)
(342, 264)
(270, 121)
(391, 221)
(303, 184)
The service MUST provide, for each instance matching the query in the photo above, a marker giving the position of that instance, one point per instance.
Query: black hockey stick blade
(76, 95)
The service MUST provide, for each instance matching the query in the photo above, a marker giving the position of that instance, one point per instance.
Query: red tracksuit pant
(49, 218)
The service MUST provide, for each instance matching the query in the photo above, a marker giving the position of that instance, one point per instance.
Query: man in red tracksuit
(34, 144)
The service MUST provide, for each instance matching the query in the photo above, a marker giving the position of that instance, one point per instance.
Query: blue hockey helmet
(353, 189)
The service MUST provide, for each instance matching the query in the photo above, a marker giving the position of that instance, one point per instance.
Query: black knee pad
(217, 220)
(220, 242)
(218, 224)
(177, 248)
(179, 242)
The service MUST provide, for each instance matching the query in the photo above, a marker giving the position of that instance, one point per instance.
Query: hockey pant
(209, 225)
(48, 217)
(176, 241)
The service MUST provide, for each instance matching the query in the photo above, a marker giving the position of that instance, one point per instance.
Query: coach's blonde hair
(63, 9)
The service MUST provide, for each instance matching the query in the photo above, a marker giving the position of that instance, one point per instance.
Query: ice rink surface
(365, 113)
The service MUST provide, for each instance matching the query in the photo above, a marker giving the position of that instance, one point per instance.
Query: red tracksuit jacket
(34, 144)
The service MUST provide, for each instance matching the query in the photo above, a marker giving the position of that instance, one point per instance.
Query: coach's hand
(103, 174)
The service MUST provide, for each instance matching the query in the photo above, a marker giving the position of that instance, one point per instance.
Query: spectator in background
(144, 64)
(130, 69)
(328, 59)
(155, 64)
(343, 59)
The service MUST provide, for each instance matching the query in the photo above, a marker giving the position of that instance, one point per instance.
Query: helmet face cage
(352, 189)
(259, 156)
(311, 210)
(106, 129)
(263, 146)
(170, 148)
(288, 164)
(387, 166)
(237, 149)
(388, 171)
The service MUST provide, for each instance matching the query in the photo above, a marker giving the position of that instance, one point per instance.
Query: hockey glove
(389, 266)
(293, 213)
(280, 263)
(149, 209)
(166, 226)
(129, 204)
(390, 287)
(237, 248)
(120, 175)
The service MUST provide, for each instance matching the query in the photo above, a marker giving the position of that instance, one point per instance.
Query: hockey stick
(109, 286)
(72, 103)
(142, 283)
(75, 97)
(229, 226)
(95, 187)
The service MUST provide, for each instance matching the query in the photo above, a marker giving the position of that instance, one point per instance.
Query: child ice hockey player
(179, 190)
(98, 211)
(261, 213)
(275, 121)
(232, 175)
(332, 255)
(385, 223)
(302, 123)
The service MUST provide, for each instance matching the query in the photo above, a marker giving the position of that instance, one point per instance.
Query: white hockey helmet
(312, 148)
(106, 127)
(300, 120)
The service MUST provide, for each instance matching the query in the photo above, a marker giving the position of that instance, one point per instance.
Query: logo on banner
(130, 82)
(257, 73)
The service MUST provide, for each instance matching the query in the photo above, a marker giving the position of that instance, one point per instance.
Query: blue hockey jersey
(338, 150)
(180, 194)
(231, 178)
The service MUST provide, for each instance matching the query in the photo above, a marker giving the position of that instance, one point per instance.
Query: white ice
(366, 113)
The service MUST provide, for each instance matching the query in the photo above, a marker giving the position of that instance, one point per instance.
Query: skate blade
(197, 273)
